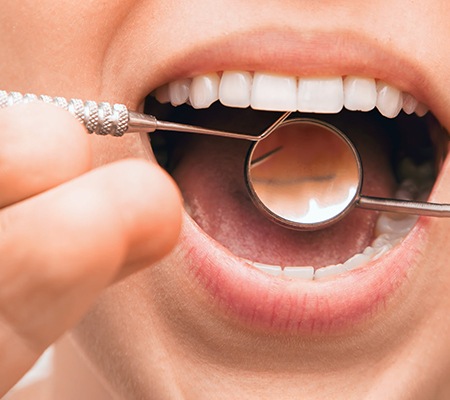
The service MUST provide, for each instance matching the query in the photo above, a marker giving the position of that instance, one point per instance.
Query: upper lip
(305, 307)
(291, 53)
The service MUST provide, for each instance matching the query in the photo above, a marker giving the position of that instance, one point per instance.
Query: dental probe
(116, 120)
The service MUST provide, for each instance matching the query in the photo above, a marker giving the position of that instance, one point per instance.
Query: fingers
(41, 146)
(66, 231)
(59, 249)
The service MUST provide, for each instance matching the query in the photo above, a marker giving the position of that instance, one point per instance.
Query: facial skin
(160, 334)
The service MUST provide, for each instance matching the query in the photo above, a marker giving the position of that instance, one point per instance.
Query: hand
(66, 230)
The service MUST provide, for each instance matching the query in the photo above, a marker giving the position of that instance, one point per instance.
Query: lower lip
(293, 306)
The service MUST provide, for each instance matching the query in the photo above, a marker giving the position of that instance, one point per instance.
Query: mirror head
(305, 175)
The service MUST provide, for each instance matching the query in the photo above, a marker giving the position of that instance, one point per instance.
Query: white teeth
(274, 92)
(320, 95)
(360, 94)
(179, 91)
(416, 184)
(381, 251)
(421, 110)
(204, 90)
(329, 271)
(356, 261)
(409, 103)
(235, 89)
(162, 94)
(274, 270)
(389, 100)
(369, 251)
(306, 273)
(393, 223)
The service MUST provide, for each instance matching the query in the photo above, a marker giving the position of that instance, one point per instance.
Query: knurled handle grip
(98, 118)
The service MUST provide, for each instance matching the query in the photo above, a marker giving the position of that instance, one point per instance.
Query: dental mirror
(306, 174)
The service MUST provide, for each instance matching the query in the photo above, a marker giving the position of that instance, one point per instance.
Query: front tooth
(389, 100)
(235, 88)
(329, 271)
(274, 270)
(299, 272)
(360, 94)
(321, 95)
(274, 92)
(409, 103)
(356, 261)
(179, 91)
(204, 90)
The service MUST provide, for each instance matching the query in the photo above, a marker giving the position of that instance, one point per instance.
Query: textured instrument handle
(99, 118)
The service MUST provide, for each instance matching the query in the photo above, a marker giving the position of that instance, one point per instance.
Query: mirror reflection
(306, 172)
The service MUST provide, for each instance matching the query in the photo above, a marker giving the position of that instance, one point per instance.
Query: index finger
(41, 146)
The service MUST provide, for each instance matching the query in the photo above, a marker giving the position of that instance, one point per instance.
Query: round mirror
(305, 175)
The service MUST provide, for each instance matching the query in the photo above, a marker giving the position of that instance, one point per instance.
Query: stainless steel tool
(301, 173)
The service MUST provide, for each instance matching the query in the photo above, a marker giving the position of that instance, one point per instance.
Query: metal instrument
(302, 173)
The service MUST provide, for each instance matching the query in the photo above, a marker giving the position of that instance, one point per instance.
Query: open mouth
(401, 146)
(398, 142)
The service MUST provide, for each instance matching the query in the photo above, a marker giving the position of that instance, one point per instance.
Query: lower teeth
(390, 230)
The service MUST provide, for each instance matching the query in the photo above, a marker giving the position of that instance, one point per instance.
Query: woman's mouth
(269, 275)
(218, 200)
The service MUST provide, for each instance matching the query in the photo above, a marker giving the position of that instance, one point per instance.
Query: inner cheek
(378, 171)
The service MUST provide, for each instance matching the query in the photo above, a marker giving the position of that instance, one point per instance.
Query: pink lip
(277, 304)
(294, 53)
(294, 306)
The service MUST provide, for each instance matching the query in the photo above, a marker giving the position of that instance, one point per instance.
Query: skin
(154, 335)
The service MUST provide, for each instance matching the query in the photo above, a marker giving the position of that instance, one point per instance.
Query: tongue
(210, 175)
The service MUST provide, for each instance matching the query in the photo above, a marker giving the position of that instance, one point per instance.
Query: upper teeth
(274, 92)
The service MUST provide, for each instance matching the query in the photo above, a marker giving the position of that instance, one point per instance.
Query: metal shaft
(115, 119)
(404, 206)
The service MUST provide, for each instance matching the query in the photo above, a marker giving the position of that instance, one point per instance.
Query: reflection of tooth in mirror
(306, 172)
